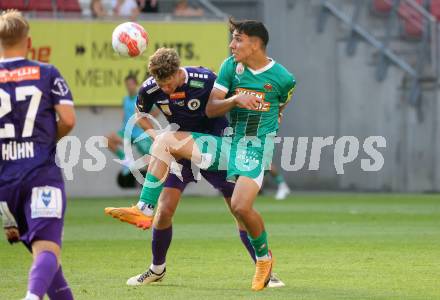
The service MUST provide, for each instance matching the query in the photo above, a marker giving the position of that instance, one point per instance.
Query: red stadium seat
(9, 4)
(412, 20)
(68, 5)
(40, 5)
(435, 9)
(382, 6)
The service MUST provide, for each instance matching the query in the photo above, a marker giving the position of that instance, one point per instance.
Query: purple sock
(160, 244)
(42, 272)
(245, 240)
(59, 288)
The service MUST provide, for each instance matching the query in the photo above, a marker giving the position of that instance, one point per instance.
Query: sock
(157, 269)
(120, 154)
(247, 243)
(41, 273)
(59, 288)
(260, 245)
(30, 296)
(150, 194)
(159, 246)
(279, 179)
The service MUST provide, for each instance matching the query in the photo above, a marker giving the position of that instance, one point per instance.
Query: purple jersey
(29, 91)
(186, 106)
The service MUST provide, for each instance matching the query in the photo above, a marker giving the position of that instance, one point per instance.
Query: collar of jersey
(186, 74)
(263, 69)
(9, 59)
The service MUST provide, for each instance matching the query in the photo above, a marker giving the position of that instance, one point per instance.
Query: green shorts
(238, 155)
(143, 146)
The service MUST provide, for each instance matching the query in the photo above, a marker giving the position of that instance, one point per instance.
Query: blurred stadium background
(364, 68)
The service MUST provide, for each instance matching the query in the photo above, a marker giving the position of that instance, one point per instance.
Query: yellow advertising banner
(83, 53)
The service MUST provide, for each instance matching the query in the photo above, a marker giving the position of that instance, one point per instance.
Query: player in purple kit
(181, 93)
(32, 95)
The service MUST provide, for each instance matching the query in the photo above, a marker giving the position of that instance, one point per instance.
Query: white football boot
(146, 278)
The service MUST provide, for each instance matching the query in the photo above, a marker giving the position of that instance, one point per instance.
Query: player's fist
(248, 101)
(12, 234)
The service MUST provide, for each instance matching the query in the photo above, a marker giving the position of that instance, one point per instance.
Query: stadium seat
(68, 5)
(9, 4)
(382, 6)
(412, 20)
(40, 5)
(435, 9)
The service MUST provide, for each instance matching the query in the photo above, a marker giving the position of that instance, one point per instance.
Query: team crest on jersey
(264, 106)
(268, 87)
(193, 104)
(60, 87)
(239, 69)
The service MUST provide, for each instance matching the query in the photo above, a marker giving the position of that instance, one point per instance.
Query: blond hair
(13, 28)
(164, 63)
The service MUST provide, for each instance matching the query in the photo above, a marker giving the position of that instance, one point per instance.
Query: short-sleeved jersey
(29, 91)
(273, 84)
(129, 105)
(186, 106)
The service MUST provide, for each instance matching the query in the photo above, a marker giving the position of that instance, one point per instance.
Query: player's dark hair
(250, 28)
(131, 77)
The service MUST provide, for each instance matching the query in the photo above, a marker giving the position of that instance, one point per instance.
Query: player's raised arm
(66, 119)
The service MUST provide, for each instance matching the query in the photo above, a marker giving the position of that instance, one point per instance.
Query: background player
(181, 93)
(116, 139)
(31, 185)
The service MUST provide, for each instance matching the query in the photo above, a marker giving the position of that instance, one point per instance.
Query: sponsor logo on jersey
(20, 74)
(179, 95)
(193, 104)
(153, 89)
(180, 102)
(264, 106)
(268, 87)
(239, 69)
(166, 109)
(196, 84)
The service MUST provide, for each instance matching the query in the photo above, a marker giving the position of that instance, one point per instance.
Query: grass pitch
(327, 246)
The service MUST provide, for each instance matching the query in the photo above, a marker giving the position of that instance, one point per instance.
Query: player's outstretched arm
(66, 121)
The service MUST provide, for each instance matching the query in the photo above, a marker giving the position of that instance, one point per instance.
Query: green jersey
(273, 84)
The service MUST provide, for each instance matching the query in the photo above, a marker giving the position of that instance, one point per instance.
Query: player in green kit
(254, 89)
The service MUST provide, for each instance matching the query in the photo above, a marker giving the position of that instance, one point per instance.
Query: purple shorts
(216, 178)
(38, 206)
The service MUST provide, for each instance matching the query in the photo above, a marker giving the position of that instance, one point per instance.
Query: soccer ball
(129, 39)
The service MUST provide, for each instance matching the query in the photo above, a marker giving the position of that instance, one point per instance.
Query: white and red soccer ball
(129, 39)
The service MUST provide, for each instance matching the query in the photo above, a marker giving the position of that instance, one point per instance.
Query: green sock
(120, 154)
(260, 244)
(151, 190)
(279, 179)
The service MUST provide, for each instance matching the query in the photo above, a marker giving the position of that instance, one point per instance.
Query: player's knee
(239, 210)
(164, 214)
(46, 246)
